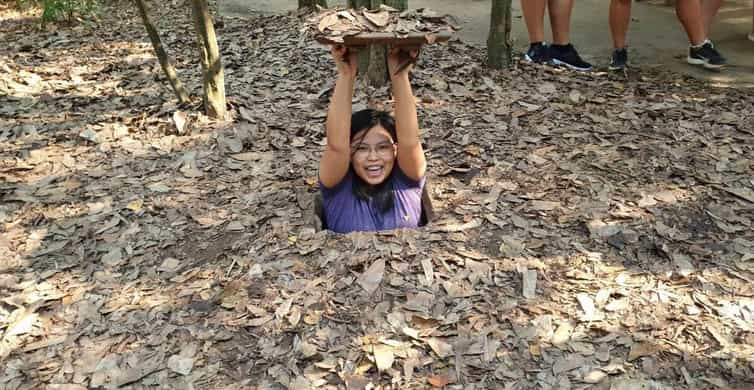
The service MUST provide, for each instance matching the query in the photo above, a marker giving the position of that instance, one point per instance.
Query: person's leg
(709, 11)
(751, 36)
(702, 52)
(562, 51)
(690, 14)
(620, 18)
(534, 16)
(560, 20)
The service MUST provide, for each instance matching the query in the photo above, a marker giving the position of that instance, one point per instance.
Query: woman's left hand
(401, 60)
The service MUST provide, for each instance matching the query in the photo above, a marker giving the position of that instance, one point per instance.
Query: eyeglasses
(382, 149)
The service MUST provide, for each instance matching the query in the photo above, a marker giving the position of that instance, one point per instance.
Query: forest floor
(594, 231)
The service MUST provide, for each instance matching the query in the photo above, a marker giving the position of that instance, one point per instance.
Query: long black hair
(384, 193)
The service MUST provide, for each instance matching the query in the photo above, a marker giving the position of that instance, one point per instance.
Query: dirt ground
(656, 37)
(594, 229)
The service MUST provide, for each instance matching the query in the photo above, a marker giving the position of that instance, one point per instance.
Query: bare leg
(560, 20)
(751, 36)
(620, 18)
(690, 14)
(709, 11)
(534, 15)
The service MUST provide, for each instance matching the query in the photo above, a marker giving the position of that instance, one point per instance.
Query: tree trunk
(373, 60)
(499, 47)
(312, 4)
(398, 4)
(162, 55)
(212, 67)
(364, 53)
(377, 74)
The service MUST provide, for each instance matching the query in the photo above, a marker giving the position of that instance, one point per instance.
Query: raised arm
(336, 159)
(411, 158)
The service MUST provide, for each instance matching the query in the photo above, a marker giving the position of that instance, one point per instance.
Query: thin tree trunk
(499, 47)
(377, 69)
(398, 4)
(212, 67)
(312, 4)
(364, 53)
(162, 55)
(377, 73)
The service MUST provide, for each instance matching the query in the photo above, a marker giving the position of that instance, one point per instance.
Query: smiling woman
(372, 171)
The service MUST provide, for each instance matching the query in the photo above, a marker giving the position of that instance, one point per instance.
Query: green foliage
(59, 10)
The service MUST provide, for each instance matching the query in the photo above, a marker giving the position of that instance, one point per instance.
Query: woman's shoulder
(404, 182)
(345, 183)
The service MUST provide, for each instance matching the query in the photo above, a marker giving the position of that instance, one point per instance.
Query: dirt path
(657, 39)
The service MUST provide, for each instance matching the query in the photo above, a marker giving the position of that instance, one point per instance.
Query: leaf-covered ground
(594, 231)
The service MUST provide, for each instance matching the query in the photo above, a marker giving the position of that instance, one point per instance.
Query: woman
(372, 171)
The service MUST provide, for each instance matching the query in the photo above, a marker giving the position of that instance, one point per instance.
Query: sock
(535, 44)
(706, 41)
(560, 47)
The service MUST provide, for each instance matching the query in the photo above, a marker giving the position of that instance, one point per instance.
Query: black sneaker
(620, 59)
(538, 53)
(567, 56)
(706, 56)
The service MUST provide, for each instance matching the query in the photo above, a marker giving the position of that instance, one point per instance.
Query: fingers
(339, 50)
(353, 56)
(412, 52)
(347, 54)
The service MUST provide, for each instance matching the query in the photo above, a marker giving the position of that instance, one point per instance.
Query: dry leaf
(617, 305)
(282, 310)
(372, 277)
(428, 271)
(181, 365)
(603, 295)
(529, 289)
(179, 120)
(259, 321)
(665, 196)
(21, 322)
(383, 357)
(562, 334)
(379, 19)
(440, 347)
(683, 264)
(170, 265)
(587, 305)
(568, 363)
(439, 381)
(639, 350)
(113, 258)
(594, 376)
(327, 22)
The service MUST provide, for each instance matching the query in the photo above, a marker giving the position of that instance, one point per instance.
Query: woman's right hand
(346, 60)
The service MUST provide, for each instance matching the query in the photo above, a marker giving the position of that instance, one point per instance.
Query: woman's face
(373, 153)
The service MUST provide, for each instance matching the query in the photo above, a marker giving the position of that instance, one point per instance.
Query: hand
(401, 60)
(346, 60)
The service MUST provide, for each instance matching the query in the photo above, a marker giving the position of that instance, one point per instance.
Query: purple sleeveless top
(345, 212)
